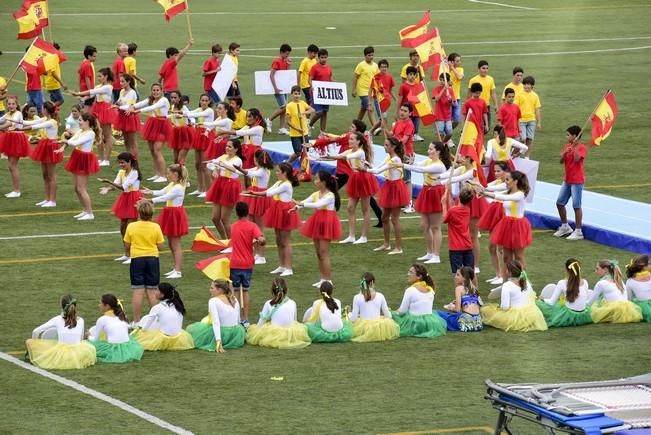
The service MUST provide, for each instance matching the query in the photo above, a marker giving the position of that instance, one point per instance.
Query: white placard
(530, 169)
(224, 77)
(329, 93)
(285, 79)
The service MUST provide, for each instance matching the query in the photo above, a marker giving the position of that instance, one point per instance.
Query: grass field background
(576, 50)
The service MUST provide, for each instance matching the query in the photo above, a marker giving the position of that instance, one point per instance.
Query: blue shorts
(281, 99)
(321, 108)
(241, 277)
(567, 190)
(527, 130)
(213, 96)
(461, 258)
(116, 95)
(416, 121)
(487, 127)
(456, 111)
(56, 96)
(36, 98)
(297, 143)
(444, 127)
(363, 102)
(2, 113)
(145, 272)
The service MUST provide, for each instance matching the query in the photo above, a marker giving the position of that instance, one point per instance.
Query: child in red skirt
(223, 121)
(281, 215)
(157, 129)
(393, 194)
(182, 134)
(173, 220)
(127, 121)
(323, 226)
(258, 177)
(101, 109)
(500, 148)
(252, 136)
(128, 183)
(202, 115)
(13, 143)
(44, 152)
(225, 190)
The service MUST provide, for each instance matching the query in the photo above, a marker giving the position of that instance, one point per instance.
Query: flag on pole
(305, 173)
(414, 30)
(419, 98)
(472, 135)
(378, 94)
(470, 151)
(215, 267)
(40, 9)
(205, 241)
(28, 24)
(429, 48)
(172, 7)
(41, 56)
(603, 118)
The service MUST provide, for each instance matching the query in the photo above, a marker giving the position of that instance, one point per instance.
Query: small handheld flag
(603, 118)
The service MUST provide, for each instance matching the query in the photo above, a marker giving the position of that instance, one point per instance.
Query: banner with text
(285, 79)
(329, 93)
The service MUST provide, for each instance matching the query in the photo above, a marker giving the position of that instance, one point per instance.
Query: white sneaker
(152, 178)
(194, 193)
(450, 144)
(382, 248)
(377, 131)
(349, 239)
(409, 209)
(360, 241)
(434, 260)
(279, 269)
(283, 131)
(40, 203)
(127, 261)
(104, 163)
(563, 230)
(226, 251)
(87, 217)
(395, 252)
(122, 258)
(133, 325)
(175, 275)
(78, 215)
(260, 260)
(160, 179)
(201, 195)
(49, 204)
(12, 194)
(318, 283)
(268, 124)
(576, 235)
(496, 280)
(287, 272)
(477, 271)
(450, 307)
(170, 272)
(418, 138)
(425, 257)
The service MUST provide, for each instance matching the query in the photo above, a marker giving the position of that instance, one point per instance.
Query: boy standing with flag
(573, 157)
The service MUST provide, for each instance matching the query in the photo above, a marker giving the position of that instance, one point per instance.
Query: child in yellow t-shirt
(298, 112)
(529, 104)
(488, 88)
(304, 71)
(130, 62)
(456, 75)
(363, 75)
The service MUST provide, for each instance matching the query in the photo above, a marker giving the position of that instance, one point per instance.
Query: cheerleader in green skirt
(638, 284)
(324, 319)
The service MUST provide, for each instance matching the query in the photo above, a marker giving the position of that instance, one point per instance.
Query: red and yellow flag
(172, 7)
(419, 98)
(378, 94)
(603, 118)
(40, 9)
(28, 24)
(415, 30)
(205, 241)
(41, 56)
(472, 135)
(429, 48)
(215, 267)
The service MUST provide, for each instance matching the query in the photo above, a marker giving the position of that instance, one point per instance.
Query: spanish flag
(378, 93)
(419, 98)
(172, 7)
(41, 56)
(603, 118)
(40, 9)
(28, 24)
(205, 241)
(472, 135)
(469, 151)
(415, 30)
(215, 267)
(429, 48)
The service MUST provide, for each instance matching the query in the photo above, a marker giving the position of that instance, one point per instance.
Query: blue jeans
(36, 98)
(213, 96)
(56, 96)
(570, 190)
(241, 277)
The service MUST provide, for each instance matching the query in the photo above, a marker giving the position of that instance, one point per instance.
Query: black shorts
(89, 101)
(461, 258)
(297, 143)
(145, 272)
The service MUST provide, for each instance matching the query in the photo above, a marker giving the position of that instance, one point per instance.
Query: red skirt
(258, 205)
(124, 206)
(215, 148)
(394, 194)
(429, 200)
(361, 185)
(103, 112)
(156, 129)
(15, 144)
(201, 141)
(82, 163)
(224, 191)
(478, 207)
(44, 151)
(512, 233)
(491, 217)
(248, 154)
(279, 216)
(322, 225)
(173, 221)
(181, 138)
(127, 122)
(491, 169)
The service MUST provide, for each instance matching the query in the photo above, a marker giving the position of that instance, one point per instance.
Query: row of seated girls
(60, 343)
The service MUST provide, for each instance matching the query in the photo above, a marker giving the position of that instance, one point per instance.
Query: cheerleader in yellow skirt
(371, 316)
(609, 298)
(277, 326)
(638, 285)
(163, 329)
(517, 310)
(69, 350)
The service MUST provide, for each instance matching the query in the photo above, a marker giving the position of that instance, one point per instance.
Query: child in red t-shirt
(403, 130)
(509, 114)
(383, 85)
(443, 96)
(573, 157)
(459, 241)
(321, 72)
(404, 91)
(479, 108)
(168, 74)
(280, 63)
(209, 71)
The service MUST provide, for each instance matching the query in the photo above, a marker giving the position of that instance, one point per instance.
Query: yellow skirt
(269, 335)
(51, 354)
(155, 340)
(381, 329)
(524, 319)
(616, 312)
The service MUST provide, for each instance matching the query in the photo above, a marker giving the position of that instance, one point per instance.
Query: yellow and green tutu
(381, 329)
(423, 326)
(118, 352)
(204, 337)
(559, 315)
(616, 312)
(293, 336)
(153, 339)
(319, 335)
(52, 354)
(524, 319)
(645, 306)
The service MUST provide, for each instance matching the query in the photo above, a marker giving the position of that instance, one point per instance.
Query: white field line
(103, 233)
(504, 5)
(96, 394)
(330, 12)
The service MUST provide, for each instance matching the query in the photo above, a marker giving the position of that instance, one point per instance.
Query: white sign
(530, 169)
(224, 77)
(329, 93)
(285, 79)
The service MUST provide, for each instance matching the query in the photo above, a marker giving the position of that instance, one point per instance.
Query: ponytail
(116, 305)
(614, 271)
(444, 153)
(171, 296)
(366, 285)
(230, 113)
(573, 271)
(181, 171)
(150, 99)
(278, 291)
(501, 134)
(398, 148)
(52, 110)
(92, 123)
(238, 148)
(637, 265)
(129, 158)
(468, 274)
(69, 306)
(515, 269)
(423, 274)
(287, 169)
(263, 159)
(331, 184)
(366, 147)
(326, 289)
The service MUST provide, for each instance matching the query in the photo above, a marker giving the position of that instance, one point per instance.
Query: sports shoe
(425, 257)
(360, 241)
(245, 323)
(201, 195)
(104, 163)
(382, 248)
(268, 124)
(49, 204)
(12, 194)
(160, 179)
(132, 325)
(279, 269)
(87, 217)
(152, 178)
(418, 138)
(122, 258)
(175, 275)
(495, 280)
(349, 239)
(395, 252)
(194, 193)
(318, 283)
(409, 209)
(40, 203)
(435, 259)
(287, 272)
(477, 271)
(127, 261)
(283, 130)
(78, 215)
(563, 230)
(576, 235)
(260, 260)
(170, 272)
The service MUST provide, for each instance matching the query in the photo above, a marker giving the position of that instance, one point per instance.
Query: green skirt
(319, 335)
(118, 352)
(558, 315)
(204, 337)
(425, 326)
(645, 306)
